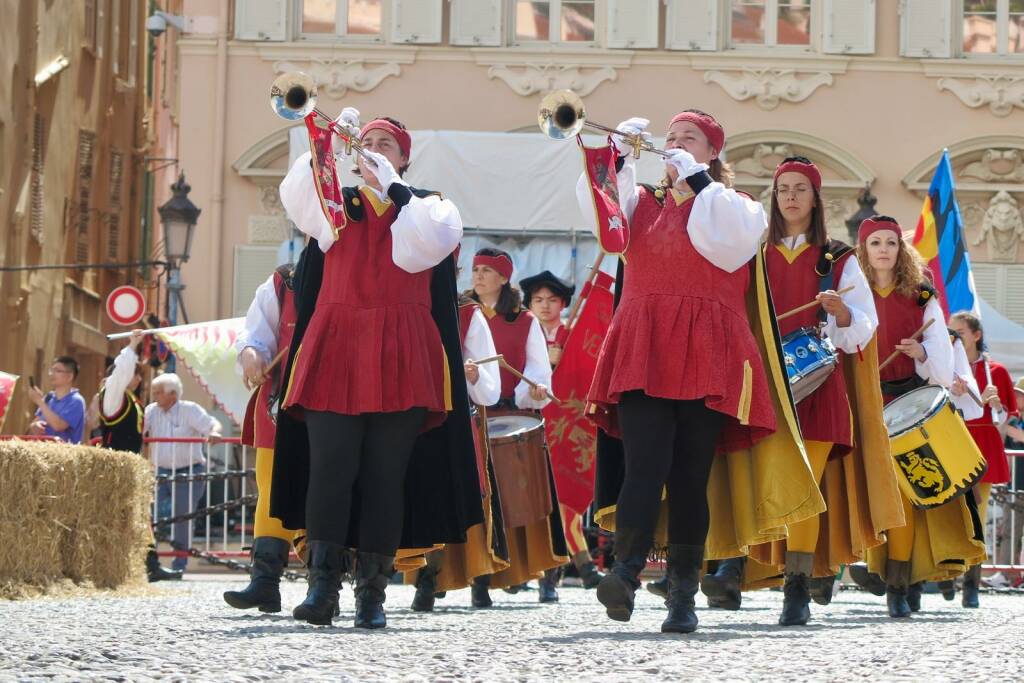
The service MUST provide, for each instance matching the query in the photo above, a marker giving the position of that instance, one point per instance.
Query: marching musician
(681, 375)
(518, 336)
(1000, 403)
(905, 301)
(374, 363)
(804, 265)
(547, 296)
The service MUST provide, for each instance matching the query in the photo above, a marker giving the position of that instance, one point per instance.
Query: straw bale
(73, 514)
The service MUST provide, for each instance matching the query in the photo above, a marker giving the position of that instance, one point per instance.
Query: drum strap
(831, 253)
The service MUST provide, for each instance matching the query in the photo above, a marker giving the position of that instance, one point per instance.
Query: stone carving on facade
(336, 77)
(766, 200)
(270, 200)
(763, 160)
(837, 210)
(768, 86)
(1001, 92)
(527, 79)
(996, 164)
(1002, 228)
(972, 213)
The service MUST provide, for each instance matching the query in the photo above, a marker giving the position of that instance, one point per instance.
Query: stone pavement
(184, 631)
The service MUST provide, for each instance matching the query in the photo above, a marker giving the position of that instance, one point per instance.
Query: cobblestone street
(184, 631)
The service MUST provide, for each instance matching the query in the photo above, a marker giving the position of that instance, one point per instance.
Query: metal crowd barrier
(1004, 524)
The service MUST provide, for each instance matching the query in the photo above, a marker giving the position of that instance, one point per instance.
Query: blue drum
(810, 359)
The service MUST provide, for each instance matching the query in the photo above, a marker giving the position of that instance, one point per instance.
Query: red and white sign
(126, 305)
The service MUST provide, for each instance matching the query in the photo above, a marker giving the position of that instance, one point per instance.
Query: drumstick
(892, 356)
(811, 304)
(500, 359)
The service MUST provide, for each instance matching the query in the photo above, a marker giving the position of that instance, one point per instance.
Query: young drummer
(1000, 403)
(682, 372)
(518, 336)
(547, 296)
(905, 300)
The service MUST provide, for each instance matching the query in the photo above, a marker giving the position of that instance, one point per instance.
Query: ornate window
(354, 19)
(993, 27)
(553, 21)
(770, 22)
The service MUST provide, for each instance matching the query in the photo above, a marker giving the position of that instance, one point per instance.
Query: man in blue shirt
(61, 412)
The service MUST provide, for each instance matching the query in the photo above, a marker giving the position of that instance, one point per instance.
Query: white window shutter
(633, 23)
(261, 20)
(849, 27)
(416, 21)
(475, 22)
(253, 265)
(691, 25)
(926, 28)
(1014, 306)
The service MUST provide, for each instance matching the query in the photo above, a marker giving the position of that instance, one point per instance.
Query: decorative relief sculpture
(763, 160)
(336, 77)
(996, 164)
(1001, 92)
(768, 86)
(527, 79)
(1002, 228)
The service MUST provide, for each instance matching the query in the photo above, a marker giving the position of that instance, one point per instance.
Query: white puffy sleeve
(937, 368)
(962, 369)
(261, 322)
(726, 227)
(120, 378)
(863, 316)
(629, 193)
(538, 368)
(302, 203)
(480, 344)
(425, 231)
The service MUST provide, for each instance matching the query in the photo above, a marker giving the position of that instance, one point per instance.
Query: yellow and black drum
(931, 447)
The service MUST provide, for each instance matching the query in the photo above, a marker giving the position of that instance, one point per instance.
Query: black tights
(367, 453)
(668, 443)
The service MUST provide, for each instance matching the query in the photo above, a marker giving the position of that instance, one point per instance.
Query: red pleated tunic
(985, 433)
(371, 345)
(825, 414)
(899, 316)
(681, 331)
(264, 429)
(510, 341)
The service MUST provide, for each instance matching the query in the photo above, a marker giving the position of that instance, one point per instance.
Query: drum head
(510, 425)
(912, 408)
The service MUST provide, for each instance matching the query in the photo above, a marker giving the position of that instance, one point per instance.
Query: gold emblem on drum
(923, 471)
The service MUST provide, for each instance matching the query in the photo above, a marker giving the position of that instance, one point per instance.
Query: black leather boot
(617, 590)
(684, 565)
(269, 558)
(723, 587)
(373, 572)
(796, 609)
(821, 589)
(589, 574)
(480, 592)
(972, 582)
(547, 583)
(897, 579)
(156, 572)
(948, 590)
(327, 562)
(659, 587)
(867, 580)
(426, 582)
(914, 591)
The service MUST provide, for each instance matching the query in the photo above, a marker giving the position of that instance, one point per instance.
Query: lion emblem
(923, 470)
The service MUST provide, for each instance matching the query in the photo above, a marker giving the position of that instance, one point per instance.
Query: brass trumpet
(293, 97)
(561, 115)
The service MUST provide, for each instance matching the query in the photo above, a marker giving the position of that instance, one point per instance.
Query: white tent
(1005, 339)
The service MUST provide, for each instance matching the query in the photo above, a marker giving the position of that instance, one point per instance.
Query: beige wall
(885, 111)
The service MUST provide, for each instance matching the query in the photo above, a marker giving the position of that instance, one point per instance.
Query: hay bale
(71, 513)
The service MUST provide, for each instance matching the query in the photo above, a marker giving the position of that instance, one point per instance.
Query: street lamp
(866, 201)
(178, 216)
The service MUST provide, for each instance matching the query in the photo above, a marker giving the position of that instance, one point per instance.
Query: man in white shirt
(171, 417)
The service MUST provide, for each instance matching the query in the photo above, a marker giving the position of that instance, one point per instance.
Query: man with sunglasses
(61, 412)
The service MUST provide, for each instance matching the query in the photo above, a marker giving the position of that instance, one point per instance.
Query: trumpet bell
(293, 95)
(561, 114)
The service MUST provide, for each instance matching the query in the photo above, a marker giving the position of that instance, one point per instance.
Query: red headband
(809, 171)
(707, 124)
(400, 135)
(870, 227)
(500, 264)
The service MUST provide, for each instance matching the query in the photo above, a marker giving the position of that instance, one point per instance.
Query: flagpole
(591, 279)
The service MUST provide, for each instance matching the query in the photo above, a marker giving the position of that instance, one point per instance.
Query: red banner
(572, 438)
(328, 185)
(612, 229)
(7, 383)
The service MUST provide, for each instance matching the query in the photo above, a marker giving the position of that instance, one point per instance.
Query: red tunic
(899, 316)
(264, 428)
(983, 430)
(510, 341)
(371, 345)
(825, 414)
(681, 331)
(466, 311)
(561, 334)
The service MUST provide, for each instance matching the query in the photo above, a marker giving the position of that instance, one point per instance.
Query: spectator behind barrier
(61, 412)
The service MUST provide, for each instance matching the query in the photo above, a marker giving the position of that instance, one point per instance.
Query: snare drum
(932, 449)
(810, 359)
(520, 462)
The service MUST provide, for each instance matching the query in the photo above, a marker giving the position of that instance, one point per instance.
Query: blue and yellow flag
(939, 239)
